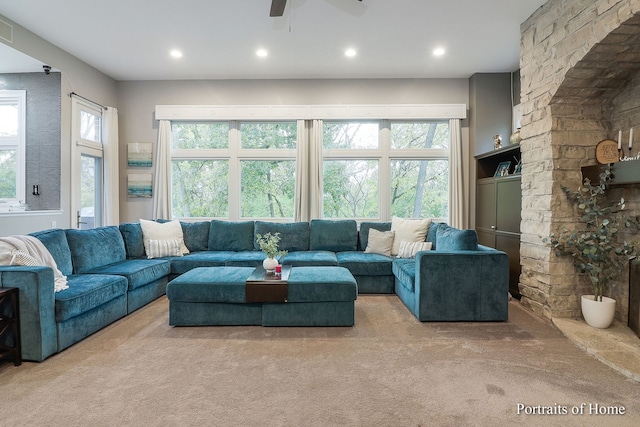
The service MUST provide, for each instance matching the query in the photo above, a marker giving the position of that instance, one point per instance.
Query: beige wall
(137, 101)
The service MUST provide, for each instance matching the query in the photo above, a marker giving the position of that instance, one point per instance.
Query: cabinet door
(486, 205)
(508, 204)
(510, 243)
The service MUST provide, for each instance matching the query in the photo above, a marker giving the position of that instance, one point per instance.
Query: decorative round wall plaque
(607, 151)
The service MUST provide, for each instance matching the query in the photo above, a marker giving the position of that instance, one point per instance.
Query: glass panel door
(90, 192)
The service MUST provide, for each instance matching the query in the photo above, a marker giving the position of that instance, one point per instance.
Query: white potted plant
(269, 245)
(594, 245)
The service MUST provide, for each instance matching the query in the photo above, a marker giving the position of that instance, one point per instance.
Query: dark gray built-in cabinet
(498, 206)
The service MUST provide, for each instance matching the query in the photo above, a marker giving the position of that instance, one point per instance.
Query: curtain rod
(88, 100)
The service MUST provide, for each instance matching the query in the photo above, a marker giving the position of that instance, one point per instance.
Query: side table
(10, 326)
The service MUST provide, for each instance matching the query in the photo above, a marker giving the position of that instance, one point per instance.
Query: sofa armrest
(38, 330)
(462, 285)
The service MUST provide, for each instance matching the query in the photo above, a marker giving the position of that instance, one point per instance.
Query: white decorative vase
(598, 314)
(269, 264)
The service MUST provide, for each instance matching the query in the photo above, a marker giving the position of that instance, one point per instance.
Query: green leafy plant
(594, 245)
(269, 245)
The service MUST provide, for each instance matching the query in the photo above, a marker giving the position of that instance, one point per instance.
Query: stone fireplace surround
(579, 65)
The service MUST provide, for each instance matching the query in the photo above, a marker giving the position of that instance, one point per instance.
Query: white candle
(620, 139)
(630, 138)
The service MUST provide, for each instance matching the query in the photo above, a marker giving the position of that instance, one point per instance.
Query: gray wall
(76, 76)
(490, 110)
(137, 101)
(42, 137)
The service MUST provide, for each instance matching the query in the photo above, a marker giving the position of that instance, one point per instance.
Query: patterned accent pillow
(152, 230)
(161, 248)
(410, 249)
(19, 257)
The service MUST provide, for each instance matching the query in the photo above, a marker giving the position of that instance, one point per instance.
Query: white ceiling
(131, 39)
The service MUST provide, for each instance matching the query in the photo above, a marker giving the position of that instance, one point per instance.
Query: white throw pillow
(409, 230)
(380, 242)
(19, 257)
(167, 247)
(410, 249)
(171, 230)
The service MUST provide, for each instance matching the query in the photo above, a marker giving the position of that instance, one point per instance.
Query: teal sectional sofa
(109, 274)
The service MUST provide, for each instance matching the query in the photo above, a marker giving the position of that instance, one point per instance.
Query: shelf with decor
(498, 206)
(488, 163)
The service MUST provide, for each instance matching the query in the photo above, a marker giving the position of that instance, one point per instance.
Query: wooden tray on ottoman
(267, 287)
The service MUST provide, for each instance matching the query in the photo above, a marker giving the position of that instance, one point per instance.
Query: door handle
(78, 219)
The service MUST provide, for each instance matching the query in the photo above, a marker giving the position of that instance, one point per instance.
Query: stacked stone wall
(570, 52)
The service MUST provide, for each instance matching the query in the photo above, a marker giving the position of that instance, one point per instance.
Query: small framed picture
(518, 168)
(139, 154)
(503, 169)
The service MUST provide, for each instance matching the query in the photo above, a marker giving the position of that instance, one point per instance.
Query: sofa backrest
(293, 236)
(133, 240)
(233, 236)
(194, 234)
(95, 247)
(333, 235)
(453, 239)
(55, 240)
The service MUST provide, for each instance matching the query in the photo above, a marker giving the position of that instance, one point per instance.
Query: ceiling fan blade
(277, 7)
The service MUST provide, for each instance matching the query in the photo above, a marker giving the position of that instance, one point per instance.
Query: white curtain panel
(459, 208)
(309, 171)
(301, 207)
(111, 176)
(315, 170)
(162, 179)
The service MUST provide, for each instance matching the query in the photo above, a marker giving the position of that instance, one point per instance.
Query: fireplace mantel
(622, 173)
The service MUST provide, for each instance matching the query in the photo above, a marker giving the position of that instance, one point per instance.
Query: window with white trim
(233, 169)
(12, 147)
(378, 169)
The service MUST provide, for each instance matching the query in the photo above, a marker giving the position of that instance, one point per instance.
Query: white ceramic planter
(269, 264)
(598, 314)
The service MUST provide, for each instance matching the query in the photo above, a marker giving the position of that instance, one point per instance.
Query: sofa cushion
(364, 232)
(405, 272)
(311, 284)
(194, 234)
(365, 264)
(133, 240)
(180, 265)
(138, 272)
(453, 239)
(410, 230)
(310, 258)
(245, 259)
(333, 235)
(94, 248)
(230, 236)
(55, 240)
(222, 284)
(293, 236)
(86, 292)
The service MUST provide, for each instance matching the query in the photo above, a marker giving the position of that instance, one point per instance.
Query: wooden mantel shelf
(621, 172)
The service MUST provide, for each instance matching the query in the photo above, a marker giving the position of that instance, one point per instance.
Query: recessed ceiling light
(350, 53)
(439, 51)
(262, 53)
(176, 53)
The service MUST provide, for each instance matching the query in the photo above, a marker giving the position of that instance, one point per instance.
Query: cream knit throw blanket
(28, 250)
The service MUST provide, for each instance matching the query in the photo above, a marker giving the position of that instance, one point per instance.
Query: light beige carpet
(388, 370)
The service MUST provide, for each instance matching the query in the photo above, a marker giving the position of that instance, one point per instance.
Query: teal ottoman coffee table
(210, 296)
